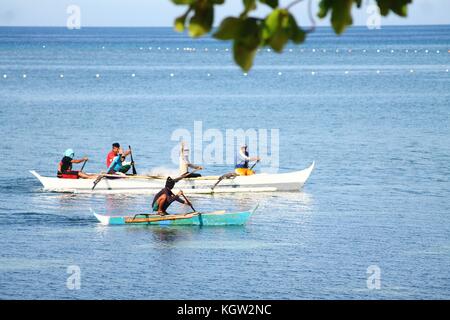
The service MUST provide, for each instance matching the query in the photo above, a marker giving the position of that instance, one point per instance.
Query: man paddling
(115, 160)
(117, 155)
(242, 168)
(164, 198)
(185, 164)
(65, 167)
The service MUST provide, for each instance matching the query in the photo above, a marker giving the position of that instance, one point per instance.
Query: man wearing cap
(185, 164)
(115, 158)
(242, 168)
(164, 198)
(65, 167)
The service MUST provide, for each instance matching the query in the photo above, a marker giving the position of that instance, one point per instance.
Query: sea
(371, 108)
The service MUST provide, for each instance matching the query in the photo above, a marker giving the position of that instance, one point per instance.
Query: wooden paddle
(251, 168)
(132, 161)
(82, 167)
(188, 202)
(184, 175)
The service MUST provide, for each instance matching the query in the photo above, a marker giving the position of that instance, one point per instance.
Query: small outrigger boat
(216, 218)
(260, 182)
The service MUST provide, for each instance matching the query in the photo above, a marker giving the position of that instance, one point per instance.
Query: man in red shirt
(116, 150)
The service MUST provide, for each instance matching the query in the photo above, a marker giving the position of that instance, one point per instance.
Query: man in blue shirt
(116, 165)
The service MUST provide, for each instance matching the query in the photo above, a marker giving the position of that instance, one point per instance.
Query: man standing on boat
(164, 198)
(185, 164)
(242, 168)
(65, 167)
(115, 160)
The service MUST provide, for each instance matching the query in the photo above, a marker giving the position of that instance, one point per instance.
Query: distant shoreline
(171, 27)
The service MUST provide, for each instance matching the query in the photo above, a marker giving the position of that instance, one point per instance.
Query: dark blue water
(379, 194)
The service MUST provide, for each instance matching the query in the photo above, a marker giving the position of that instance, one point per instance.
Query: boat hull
(262, 182)
(192, 219)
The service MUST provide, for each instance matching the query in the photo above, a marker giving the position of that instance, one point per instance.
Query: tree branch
(293, 3)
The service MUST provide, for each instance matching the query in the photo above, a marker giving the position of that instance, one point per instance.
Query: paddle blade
(132, 161)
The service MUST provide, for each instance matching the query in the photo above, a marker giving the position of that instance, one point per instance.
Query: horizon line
(171, 26)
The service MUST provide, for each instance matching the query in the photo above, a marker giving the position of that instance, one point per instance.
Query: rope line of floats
(245, 74)
(303, 50)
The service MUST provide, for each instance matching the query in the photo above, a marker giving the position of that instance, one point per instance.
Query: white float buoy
(24, 76)
(61, 76)
(103, 47)
(97, 75)
(245, 74)
(437, 51)
(378, 50)
(43, 46)
(226, 49)
(209, 74)
(392, 51)
(133, 75)
(268, 50)
(364, 50)
(313, 72)
(446, 70)
(290, 50)
(141, 48)
(324, 50)
(172, 75)
(313, 50)
(346, 72)
(411, 71)
(280, 73)
(5, 76)
(426, 51)
(378, 71)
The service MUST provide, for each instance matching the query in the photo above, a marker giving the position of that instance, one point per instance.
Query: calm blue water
(379, 194)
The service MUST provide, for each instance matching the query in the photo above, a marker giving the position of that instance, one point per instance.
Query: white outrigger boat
(259, 182)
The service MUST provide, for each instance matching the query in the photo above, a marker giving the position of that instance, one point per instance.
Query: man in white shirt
(185, 164)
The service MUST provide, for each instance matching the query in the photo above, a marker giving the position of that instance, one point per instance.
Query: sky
(136, 13)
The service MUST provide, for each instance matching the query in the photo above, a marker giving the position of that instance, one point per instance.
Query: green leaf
(341, 13)
(243, 55)
(297, 34)
(249, 32)
(228, 29)
(400, 7)
(247, 40)
(201, 22)
(249, 5)
(271, 3)
(183, 1)
(179, 23)
(276, 31)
